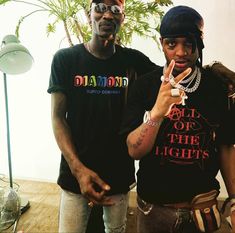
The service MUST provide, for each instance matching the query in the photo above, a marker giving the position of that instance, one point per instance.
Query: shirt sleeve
(59, 72)
(140, 62)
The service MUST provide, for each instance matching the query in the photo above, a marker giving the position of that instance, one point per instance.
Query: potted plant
(141, 18)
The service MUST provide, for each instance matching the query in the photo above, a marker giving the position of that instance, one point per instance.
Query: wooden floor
(42, 216)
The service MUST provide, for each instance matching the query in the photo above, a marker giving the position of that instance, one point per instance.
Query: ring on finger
(90, 204)
(175, 92)
(172, 82)
(164, 79)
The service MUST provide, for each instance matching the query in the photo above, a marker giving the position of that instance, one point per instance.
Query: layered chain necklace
(194, 77)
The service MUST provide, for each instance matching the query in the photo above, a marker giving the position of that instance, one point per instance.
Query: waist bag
(205, 211)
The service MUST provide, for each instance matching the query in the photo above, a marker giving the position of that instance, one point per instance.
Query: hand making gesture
(169, 93)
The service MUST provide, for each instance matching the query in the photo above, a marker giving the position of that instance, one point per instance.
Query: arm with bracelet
(141, 140)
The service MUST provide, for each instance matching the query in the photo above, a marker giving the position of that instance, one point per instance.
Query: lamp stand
(8, 130)
(24, 202)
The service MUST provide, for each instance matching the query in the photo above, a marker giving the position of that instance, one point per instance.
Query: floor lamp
(14, 59)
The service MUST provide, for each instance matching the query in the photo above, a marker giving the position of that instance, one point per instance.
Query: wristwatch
(147, 120)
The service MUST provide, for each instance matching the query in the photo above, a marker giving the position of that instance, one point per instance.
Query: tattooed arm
(141, 140)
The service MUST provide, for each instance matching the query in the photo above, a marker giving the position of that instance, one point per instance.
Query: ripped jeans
(160, 219)
(75, 212)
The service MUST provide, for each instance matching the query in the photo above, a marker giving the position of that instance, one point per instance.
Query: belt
(180, 205)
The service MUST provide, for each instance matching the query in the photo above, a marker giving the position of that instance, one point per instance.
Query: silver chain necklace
(197, 79)
(190, 78)
(196, 75)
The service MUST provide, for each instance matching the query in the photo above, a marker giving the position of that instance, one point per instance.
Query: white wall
(34, 151)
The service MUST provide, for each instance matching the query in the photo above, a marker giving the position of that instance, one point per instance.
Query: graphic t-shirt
(184, 159)
(96, 90)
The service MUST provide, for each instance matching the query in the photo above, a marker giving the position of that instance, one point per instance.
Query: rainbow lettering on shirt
(100, 81)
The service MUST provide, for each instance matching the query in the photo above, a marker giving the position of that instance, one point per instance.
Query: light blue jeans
(75, 212)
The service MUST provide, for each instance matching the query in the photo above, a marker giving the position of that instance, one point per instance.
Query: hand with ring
(90, 204)
(169, 94)
(92, 186)
(175, 92)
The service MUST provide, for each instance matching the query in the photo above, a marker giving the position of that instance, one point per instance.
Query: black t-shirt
(184, 159)
(96, 90)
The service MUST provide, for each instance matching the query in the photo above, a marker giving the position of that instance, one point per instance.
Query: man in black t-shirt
(89, 84)
(179, 125)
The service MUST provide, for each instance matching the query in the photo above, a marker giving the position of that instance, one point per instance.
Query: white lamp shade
(14, 57)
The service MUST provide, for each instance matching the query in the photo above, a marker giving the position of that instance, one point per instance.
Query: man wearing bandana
(179, 125)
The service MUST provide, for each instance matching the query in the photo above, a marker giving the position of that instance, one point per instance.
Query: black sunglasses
(102, 8)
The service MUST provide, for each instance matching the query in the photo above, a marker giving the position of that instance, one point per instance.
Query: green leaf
(4, 1)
